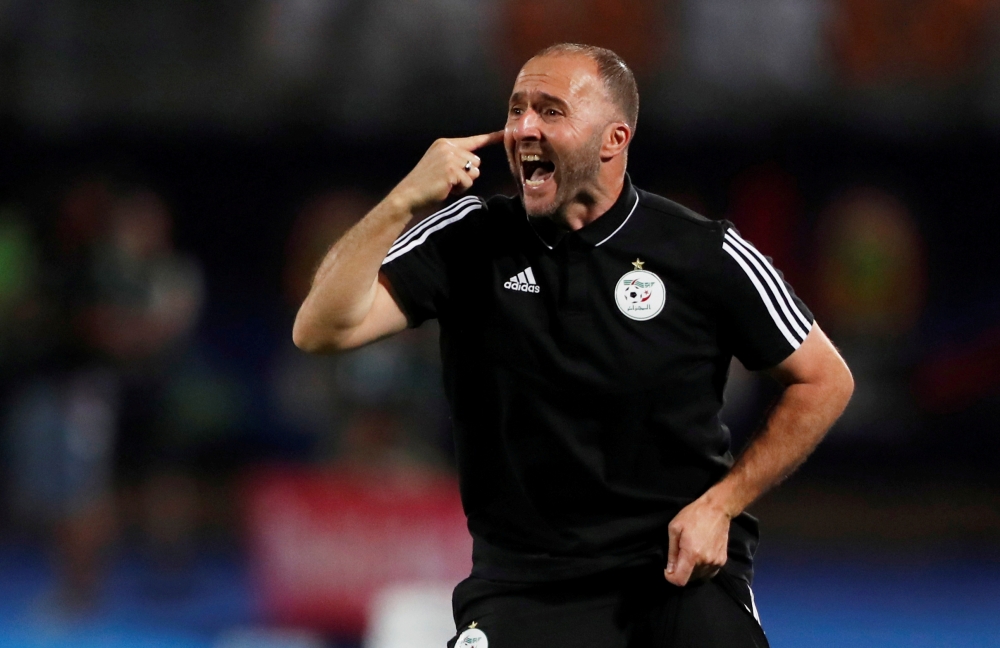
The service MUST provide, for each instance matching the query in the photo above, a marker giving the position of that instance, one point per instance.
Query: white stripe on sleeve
(770, 284)
(765, 297)
(791, 302)
(440, 224)
(432, 219)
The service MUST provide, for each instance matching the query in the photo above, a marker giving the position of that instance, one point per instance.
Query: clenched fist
(699, 538)
(449, 166)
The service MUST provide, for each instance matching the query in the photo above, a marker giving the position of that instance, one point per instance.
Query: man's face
(555, 124)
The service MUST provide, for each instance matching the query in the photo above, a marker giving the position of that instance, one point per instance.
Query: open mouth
(535, 170)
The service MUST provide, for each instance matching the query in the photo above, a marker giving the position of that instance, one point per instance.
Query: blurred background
(173, 472)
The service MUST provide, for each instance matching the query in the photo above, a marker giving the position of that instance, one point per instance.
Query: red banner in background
(323, 543)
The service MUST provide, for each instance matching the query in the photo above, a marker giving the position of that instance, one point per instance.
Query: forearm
(344, 287)
(794, 428)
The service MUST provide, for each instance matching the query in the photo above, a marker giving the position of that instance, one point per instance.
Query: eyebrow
(519, 96)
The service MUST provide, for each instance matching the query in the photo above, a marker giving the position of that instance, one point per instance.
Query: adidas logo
(523, 281)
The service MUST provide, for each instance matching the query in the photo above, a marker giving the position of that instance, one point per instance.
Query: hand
(442, 171)
(699, 540)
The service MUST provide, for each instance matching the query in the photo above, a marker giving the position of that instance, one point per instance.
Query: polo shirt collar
(596, 232)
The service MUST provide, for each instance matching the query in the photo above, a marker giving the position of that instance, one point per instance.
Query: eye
(515, 110)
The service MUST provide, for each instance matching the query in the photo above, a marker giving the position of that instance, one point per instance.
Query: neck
(590, 205)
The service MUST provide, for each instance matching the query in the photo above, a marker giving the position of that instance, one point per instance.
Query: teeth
(531, 158)
(534, 183)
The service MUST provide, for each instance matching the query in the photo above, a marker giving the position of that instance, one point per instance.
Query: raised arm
(349, 304)
(818, 386)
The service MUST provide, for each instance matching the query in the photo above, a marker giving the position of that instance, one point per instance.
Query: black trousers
(633, 608)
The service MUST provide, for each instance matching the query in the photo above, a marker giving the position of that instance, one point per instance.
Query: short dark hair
(616, 75)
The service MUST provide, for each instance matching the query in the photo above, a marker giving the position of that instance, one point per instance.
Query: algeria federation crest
(472, 638)
(640, 294)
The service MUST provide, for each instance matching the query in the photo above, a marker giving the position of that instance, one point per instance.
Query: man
(586, 333)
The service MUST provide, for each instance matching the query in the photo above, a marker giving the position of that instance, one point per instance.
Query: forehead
(566, 76)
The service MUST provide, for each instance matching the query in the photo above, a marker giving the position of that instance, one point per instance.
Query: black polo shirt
(585, 371)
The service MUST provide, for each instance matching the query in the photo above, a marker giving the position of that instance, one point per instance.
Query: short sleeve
(763, 320)
(421, 261)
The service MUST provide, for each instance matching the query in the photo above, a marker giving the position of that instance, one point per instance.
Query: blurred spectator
(872, 276)
(23, 309)
(146, 297)
(61, 422)
(145, 301)
(871, 266)
(128, 302)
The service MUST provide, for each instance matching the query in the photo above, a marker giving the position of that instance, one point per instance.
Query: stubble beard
(577, 170)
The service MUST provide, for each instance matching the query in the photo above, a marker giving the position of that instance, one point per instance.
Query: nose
(527, 127)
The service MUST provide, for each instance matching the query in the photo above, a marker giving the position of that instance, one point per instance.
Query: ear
(617, 135)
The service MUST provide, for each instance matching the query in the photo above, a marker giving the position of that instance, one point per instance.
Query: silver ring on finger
(468, 165)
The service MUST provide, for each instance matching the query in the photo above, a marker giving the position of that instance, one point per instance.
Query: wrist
(720, 498)
(400, 204)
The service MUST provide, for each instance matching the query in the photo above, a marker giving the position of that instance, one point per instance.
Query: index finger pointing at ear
(478, 141)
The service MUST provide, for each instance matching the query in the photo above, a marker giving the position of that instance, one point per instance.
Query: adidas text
(510, 285)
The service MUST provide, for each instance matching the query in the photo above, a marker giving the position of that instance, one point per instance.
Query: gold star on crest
(473, 624)
(637, 264)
